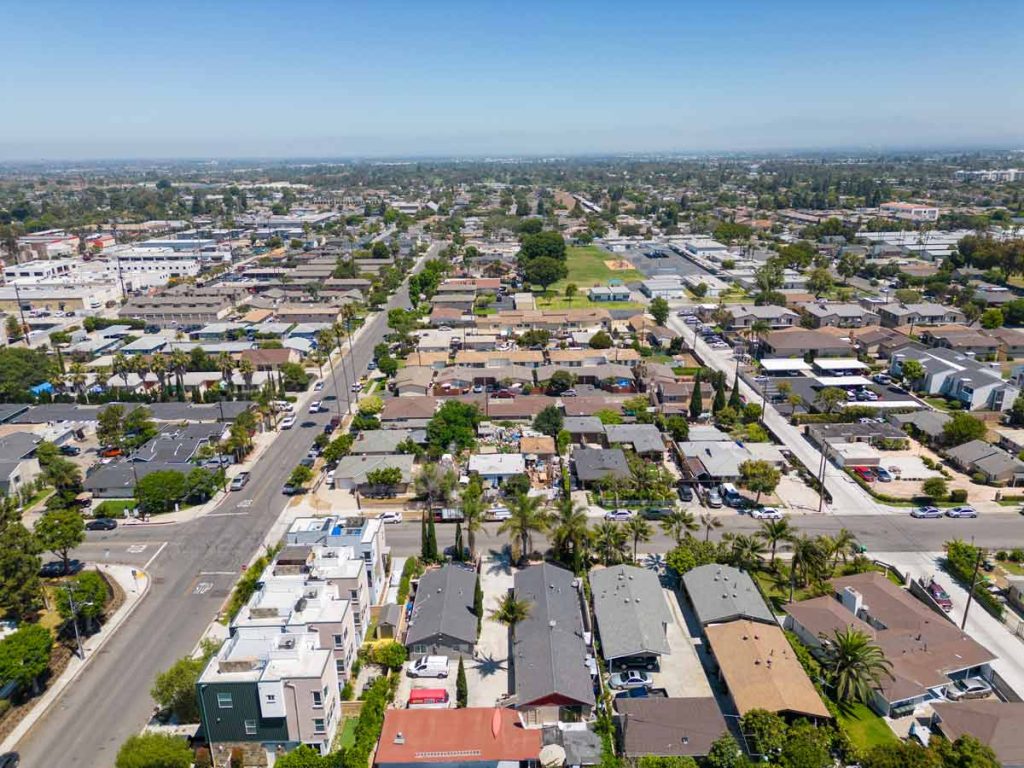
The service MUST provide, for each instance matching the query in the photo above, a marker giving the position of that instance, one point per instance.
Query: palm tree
(745, 552)
(809, 561)
(78, 378)
(842, 545)
(640, 530)
(609, 541)
(511, 611)
(679, 524)
(435, 485)
(568, 526)
(758, 329)
(709, 522)
(226, 366)
(472, 516)
(527, 518)
(179, 364)
(247, 370)
(120, 366)
(853, 664)
(774, 531)
(158, 363)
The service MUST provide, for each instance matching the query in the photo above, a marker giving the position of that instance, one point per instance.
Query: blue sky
(223, 78)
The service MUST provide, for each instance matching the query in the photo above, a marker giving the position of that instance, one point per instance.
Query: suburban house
(926, 650)
(644, 439)
(760, 670)
(442, 622)
(475, 737)
(961, 339)
(979, 457)
(584, 429)
(927, 426)
(798, 342)
(352, 471)
(381, 442)
(895, 315)
(496, 468)
(413, 381)
(958, 376)
(668, 727)
(592, 465)
(553, 681)
(632, 617)
(266, 693)
(412, 412)
(743, 316)
(18, 466)
(996, 724)
(720, 593)
(711, 461)
(839, 315)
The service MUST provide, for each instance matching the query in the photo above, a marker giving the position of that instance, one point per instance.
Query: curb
(31, 720)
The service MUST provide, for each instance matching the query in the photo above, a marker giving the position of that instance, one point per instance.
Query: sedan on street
(101, 524)
(618, 514)
(765, 513)
(962, 512)
(926, 513)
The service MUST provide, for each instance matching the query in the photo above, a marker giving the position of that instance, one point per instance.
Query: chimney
(852, 600)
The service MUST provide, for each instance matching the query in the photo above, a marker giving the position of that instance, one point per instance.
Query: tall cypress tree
(424, 553)
(719, 402)
(431, 541)
(696, 401)
(734, 399)
(458, 541)
(461, 687)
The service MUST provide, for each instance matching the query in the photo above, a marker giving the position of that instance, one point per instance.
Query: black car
(101, 524)
(685, 493)
(328, 427)
(9, 760)
(55, 568)
(68, 450)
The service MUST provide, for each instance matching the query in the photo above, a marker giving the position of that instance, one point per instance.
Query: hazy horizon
(94, 81)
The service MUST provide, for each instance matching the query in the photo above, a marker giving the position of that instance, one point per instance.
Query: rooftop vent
(399, 738)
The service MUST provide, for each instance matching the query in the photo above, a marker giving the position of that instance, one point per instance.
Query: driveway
(407, 684)
(681, 673)
(487, 675)
(981, 625)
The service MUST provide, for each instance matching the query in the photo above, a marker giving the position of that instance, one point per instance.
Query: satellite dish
(552, 756)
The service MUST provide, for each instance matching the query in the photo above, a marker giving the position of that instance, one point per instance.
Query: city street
(193, 566)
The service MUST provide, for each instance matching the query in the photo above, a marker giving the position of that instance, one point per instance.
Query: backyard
(864, 727)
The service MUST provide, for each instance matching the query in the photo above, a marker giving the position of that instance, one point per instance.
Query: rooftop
(721, 593)
(444, 606)
(630, 609)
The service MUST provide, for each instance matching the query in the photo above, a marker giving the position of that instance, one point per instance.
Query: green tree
(20, 369)
(384, 479)
(338, 448)
(830, 398)
(773, 532)
(807, 746)
(389, 654)
(709, 522)
(735, 401)
(544, 271)
(25, 656)
(725, 753)
(659, 310)
(154, 750)
(935, 487)
(527, 518)
(549, 421)
(159, 491)
(690, 553)
(174, 689)
(304, 756)
(60, 531)
(658, 761)
(89, 593)
(819, 281)
(719, 402)
(601, 340)
(677, 427)
(962, 428)
(559, 382)
(511, 611)
(461, 686)
(696, 401)
(20, 586)
(110, 426)
(854, 665)
(473, 512)
(542, 245)
(911, 372)
(569, 532)
(679, 524)
(454, 425)
(991, 318)
(535, 337)
(371, 405)
(607, 416)
(138, 426)
(638, 530)
(758, 476)
(300, 476)
(766, 730)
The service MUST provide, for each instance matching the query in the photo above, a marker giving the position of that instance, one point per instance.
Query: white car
(318, 386)
(391, 516)
(633, 678)
(287, 422)
(498, 513)
(329, 480)
(315, 406)
(618, 514)
(962, 512)
(765, 513)
(357, 387)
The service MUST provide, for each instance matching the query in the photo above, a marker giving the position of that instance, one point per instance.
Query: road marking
(228, 514)
(216, 573)
(154, 557)
(202, 588)
(245, 504)
(137, 549)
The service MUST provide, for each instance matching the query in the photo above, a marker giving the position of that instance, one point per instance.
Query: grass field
(587, 268)
(115, 507)
(582, 302)
(866, 729)
(347, 733)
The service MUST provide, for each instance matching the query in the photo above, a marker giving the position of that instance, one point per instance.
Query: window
(224, 701)
(319, 725)
(318, 700)
(271, 698)
(340, 664)
(338, 641)
(354, 595)
(419, 649)
(250, 727)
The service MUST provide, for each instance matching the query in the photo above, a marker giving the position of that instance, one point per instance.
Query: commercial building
(909, 211)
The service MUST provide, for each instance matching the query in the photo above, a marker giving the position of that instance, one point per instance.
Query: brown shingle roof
(670, 726)
(994, 723)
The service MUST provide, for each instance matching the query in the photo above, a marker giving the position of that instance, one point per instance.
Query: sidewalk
(134, 590)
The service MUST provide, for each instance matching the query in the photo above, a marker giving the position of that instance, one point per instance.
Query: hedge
(371, 721)
(410, 570)
(961, 561)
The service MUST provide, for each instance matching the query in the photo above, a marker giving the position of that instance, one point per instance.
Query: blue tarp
(38, 389)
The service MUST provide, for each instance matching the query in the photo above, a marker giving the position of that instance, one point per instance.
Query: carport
(830, 365)
(784, 366)
(843, 382)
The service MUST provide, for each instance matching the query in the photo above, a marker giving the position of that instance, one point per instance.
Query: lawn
(582, 302)
(346, 734)
(866, 729)
(587, 268)
(114, 507)
(939, 403)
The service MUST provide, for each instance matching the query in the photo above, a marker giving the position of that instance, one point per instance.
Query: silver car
(631, 678)
(968, 688)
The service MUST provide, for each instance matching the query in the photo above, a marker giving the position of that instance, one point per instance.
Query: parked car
(569, 393)
(110, 452)
(56, 568)
(618, 514)
(940, 595)
(70, 450)
(318, 386)
(287, 422)
(291, 490)
(329, 479)
(642, 693)
(633, 678)
(968, 688)
(865, 474)
(714, 498)
(239, 481)
(478, 389)
(927, 513)
(101, 524)
(357, 386)
(329, 427)
(429, 666)
(391, 516)
(10, 760)
(658, 513)
(650, 663)
(685, 493)
(883, 474)
(315, 406)
(765, 513)
(498, 513)
(962, 512)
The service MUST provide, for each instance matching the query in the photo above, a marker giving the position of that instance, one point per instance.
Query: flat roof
(840, 364)
(785, 364)
(842, 381)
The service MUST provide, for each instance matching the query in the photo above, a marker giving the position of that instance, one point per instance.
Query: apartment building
(894, 315)
(960, 376)
(177, 309)
(909, 211)
(365, 536)
(269, 693)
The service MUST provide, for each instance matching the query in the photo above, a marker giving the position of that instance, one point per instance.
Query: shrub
(958, 495)
(979, 478)
(347, 692)
(202, 758)
(1017, 555)
(1001, 555)
(961, 560)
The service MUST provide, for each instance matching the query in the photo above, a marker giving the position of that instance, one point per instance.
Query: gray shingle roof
(444, 606)
(645, 438)
(630, 609)
(721, 593)
(596, 463)
(17, 445)
(549, 652)
(580, 425)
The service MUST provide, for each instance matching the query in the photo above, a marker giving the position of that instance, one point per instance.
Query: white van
(429, 666)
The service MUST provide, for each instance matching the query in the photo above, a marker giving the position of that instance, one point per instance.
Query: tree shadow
(499, 561)
(488, 666)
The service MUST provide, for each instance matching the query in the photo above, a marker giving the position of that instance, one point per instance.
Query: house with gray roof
(178, 444)
(644, 439)
(839, 315)
(925, 313)
(979, 457)
(925, 424)
(584, 429)
(549, 651)
(721, 593)
(379, 442)
(351, 471)
(952, 374)
(442, 622)
(632, 617)
(595, 464)
(712, 461)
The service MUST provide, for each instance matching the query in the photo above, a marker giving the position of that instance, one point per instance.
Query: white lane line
(227, 514)
(154, 557)
(216, 573)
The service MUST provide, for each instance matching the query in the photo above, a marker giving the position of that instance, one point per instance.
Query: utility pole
(821, 482)
(21, 311)
(74, 620)
(974, 584)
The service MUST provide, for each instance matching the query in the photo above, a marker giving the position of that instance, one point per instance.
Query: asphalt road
(193, 568)
(879, 533)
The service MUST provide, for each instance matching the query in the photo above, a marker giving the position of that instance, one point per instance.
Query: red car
(940, 596)
(865, 474)
(504, 394)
